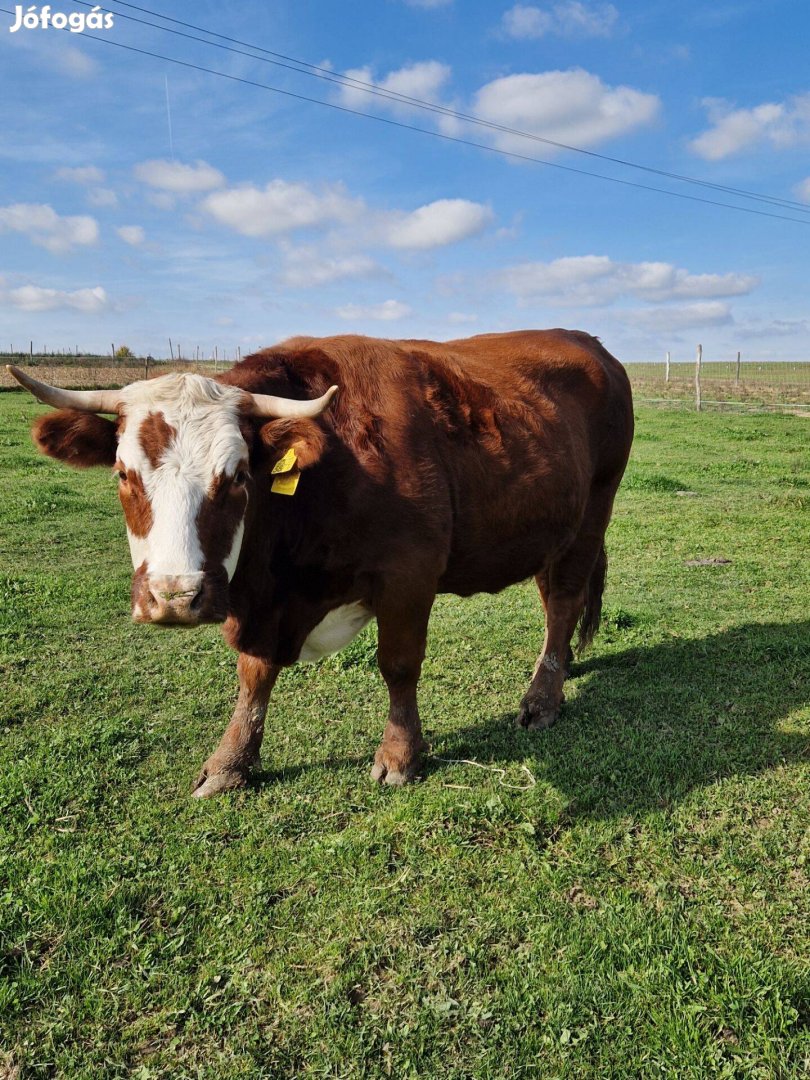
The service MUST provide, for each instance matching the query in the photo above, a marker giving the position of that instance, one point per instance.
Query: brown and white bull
(458, 467)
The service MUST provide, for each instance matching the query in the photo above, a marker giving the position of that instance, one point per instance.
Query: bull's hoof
(536, 714)
(214, 780)
(395, 768)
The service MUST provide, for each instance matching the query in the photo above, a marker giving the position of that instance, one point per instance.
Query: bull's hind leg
(402, 622)
(571, 589)
(238, 752)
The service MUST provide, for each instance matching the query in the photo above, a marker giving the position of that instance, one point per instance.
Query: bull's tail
(592, 612)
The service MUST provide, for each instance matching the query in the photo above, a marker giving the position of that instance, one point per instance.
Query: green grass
(625, 895)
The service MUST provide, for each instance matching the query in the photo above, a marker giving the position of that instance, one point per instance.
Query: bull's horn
(267, 405)
(98, 401)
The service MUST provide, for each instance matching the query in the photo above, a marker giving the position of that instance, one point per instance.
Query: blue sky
(265, 216)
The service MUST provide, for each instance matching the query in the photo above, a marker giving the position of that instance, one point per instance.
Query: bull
(326, 482)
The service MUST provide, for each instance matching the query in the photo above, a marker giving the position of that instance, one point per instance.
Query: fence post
(171, 350)
(737, 376)
(666, 373)
(31, 352)
(698, 361)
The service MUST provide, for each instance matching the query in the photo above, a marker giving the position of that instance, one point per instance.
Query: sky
(142, 199)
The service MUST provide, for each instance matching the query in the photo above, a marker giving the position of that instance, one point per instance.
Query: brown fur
(155, 436)
(484, 453)
(222, 510)
(77, 438)
(302, 435)
(135, 501)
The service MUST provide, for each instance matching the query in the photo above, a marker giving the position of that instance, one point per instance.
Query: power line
(303, 67)
(433, 134)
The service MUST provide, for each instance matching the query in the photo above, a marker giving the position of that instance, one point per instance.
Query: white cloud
(803, 190)
(424, 80)
(102, 196)
(306, 267)
(461, 318)
(593, 280)
(387, 311)
(87, 175)
(428, 3)
(83, 174)
(161, 199)
(776, 328)
(176, 177)
(279, 207)
(35, 298)
(683, 316)
(446, 221)
(132, 234)
(43, 226)
(570, 18)
(566, 106)
(780, 125)
(75, 63)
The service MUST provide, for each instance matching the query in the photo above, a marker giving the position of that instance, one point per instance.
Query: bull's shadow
(647, 725)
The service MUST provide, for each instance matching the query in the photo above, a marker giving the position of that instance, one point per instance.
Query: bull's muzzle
(174, 599)
(179, 599)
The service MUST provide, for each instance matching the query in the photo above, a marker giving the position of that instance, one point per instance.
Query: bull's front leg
(402, 622)
(238, 752)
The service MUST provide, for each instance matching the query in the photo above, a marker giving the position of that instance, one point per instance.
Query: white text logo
(76, 21)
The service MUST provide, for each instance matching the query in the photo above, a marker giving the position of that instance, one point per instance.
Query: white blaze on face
(181, 435)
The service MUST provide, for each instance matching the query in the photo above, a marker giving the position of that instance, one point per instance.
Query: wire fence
(723, 384)
(78, 371)
(696, 384)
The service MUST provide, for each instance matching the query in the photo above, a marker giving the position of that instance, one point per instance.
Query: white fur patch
(335, 631)
(233, 555)
(138, 548)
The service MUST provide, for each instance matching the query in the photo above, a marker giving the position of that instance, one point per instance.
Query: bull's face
(182, 467)
(181, 455)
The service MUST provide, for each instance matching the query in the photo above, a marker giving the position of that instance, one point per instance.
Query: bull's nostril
(174, 599)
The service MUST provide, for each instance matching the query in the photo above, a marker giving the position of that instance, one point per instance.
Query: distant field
(764, 383)
(625, 895)
(82, 374)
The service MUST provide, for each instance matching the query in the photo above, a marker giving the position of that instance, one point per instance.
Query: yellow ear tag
(285, 463)
(286, 485)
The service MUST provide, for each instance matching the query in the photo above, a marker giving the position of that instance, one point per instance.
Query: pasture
(624, 895)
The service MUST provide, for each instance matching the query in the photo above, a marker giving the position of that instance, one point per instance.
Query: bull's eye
(122, 475)
(240, 478)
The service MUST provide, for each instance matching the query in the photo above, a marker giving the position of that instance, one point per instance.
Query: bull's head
(181, 452)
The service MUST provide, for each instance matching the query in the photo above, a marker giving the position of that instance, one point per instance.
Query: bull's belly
(464, 577)
(335, 631)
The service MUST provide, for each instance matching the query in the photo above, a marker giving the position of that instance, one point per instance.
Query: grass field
(625, 895)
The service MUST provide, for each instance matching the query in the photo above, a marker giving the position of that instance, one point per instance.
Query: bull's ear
(77, 438)
(302, 436)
